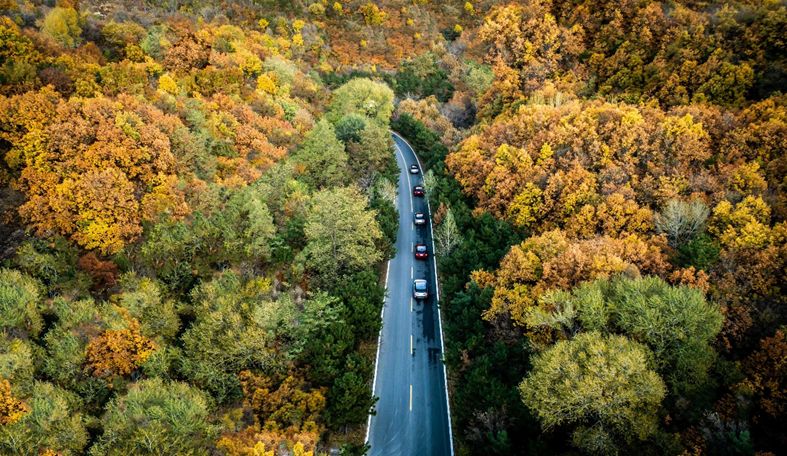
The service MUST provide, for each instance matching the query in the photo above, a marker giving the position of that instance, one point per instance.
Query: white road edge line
(411, 397)
(377, 357)
(437, 293)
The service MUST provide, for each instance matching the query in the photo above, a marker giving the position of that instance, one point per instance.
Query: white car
(420, 289)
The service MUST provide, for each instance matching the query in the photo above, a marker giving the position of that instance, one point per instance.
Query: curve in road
(412, 415)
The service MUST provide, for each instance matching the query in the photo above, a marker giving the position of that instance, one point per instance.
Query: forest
(198, 198)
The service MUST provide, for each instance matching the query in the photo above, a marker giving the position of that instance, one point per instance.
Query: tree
(157, 417)
(117, 353)
(682, 221)
(371, 155)
(53, 423)
(236, 323)
(19, 301)
(62, 25)
(11, 408)
(447, 234)
(602, 385)
(362, 96)
(675, 322)
(341, 234)
(323, 157)
(349, 399)
(287, 404)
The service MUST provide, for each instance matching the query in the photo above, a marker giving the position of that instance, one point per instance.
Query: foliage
(601, 384)
(11, 408)
(156, 417)
(362, 96)
(323, 157)
(118, 352)
(62, 25)
(235, 326)
(341, 234)
(54, 423)
(19, 303)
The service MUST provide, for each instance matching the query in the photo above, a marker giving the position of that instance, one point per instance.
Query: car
(418, 190)
(419, 218)
(420, 289)
(420, 252)
(414, 169)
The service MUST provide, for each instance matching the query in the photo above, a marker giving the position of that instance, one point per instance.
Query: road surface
(412, 413)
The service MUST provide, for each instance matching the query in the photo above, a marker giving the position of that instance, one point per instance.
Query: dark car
(421, 252)
(414, 169)
(420, 289)
(419, 218)
(418, 190)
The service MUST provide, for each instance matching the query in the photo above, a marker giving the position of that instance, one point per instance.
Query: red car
(420, 252)
(418, 190)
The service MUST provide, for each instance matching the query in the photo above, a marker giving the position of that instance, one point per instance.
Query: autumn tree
(62, 25)
(287, 404)
(11, 408)
(97, 188)
(117, 353)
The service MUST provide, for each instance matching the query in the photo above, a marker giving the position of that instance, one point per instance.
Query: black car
(419, 218)
(414, 169)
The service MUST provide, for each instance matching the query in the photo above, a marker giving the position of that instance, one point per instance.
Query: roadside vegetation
(198, 197)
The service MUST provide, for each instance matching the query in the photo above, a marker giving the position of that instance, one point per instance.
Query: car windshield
(419, 215)
(421, 248)
(420, 286)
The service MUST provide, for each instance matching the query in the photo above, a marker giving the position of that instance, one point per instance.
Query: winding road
(412, 415)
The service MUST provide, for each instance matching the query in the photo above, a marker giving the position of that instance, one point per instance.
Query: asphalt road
(412, 414)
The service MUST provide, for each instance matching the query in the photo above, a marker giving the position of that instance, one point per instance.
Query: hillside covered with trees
(198, 197)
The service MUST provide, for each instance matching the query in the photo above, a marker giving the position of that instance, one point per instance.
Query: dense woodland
(198, 196)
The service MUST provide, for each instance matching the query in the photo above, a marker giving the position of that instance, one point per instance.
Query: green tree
(350, 126)
(54, 422)
(157, 417)
(372, 154)
(362, 96)
(19, 300)
(350, 399)
(236, 323)
(323, 157)
(675, 322)
(341, 234)
(62, 25)
(601, 384)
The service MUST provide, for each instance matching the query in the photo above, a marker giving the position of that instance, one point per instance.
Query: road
(412, 413)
